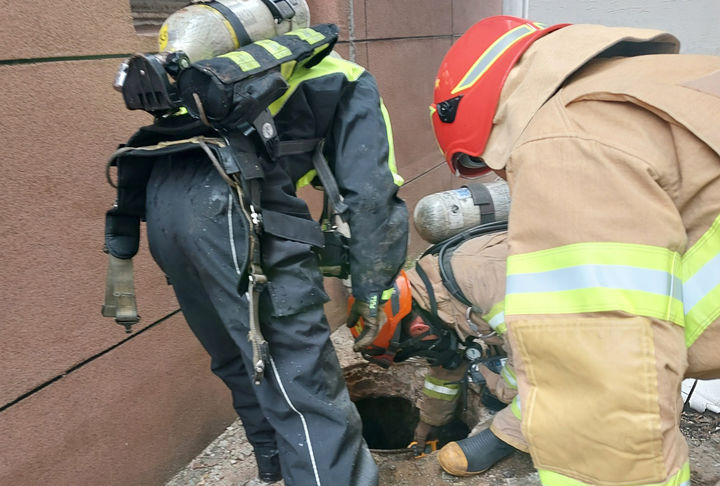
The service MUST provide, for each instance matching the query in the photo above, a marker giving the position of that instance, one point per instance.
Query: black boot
(268, 463)
(473, 455)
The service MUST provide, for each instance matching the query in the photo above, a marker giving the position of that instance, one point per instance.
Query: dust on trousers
(199, 238)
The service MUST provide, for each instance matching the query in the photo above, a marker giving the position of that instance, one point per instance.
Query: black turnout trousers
(198, 237)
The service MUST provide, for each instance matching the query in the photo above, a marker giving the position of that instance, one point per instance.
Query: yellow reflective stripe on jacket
(305, 179)
(594, 277)
(496, 318)
(551, 478)
(387, 293)
(701, 283)
(351, 71)
(329, 65)
(391, 147)
(509, 376)
(515, 407)
(443, 390)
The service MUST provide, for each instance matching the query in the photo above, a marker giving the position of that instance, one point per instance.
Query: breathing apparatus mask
(409, 332)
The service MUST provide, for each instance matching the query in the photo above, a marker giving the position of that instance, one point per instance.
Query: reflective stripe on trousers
(550, 478)
(443, 390)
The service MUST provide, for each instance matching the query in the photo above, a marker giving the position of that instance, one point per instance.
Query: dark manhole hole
(389, 423)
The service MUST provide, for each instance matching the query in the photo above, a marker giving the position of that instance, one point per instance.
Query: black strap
(293, 228)
(448, 277)
(465, 235)
(445, 256)
(395, 299)
(327, 179)
(296, 147)
(280, 9)
(240, 32)
(481, 197)
(245, 154)
(444, 251)
(428, 286)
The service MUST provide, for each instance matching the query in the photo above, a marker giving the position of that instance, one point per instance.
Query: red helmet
(396, 308)
(468, 86)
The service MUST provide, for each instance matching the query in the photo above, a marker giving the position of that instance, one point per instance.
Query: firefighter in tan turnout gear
(476, 314)
(448, 309)
(608, 139)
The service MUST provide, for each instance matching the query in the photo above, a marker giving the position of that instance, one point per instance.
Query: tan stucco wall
(80, 401)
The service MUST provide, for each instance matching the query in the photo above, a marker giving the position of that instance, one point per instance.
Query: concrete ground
(228, 461)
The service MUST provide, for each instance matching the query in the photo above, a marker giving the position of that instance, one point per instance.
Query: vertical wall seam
(351, 28)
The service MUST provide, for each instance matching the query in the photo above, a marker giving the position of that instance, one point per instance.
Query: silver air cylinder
(441, 215)
(203, 32)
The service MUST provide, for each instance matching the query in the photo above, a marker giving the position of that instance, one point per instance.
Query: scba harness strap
(444, 251)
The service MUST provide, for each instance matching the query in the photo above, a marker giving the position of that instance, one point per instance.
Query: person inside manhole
(448, 309)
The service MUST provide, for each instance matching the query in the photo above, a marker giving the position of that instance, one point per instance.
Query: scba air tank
(441, 215)
(204, 30)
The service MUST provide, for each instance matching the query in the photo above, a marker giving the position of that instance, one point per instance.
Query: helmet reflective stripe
(443, 390)
(701, 289)
(551, 478)
(491, 55)
(595, 277)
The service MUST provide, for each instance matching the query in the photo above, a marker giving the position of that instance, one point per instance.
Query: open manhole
(389, 423)
(386, 401)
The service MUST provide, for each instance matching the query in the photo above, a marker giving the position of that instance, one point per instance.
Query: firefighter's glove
(420, 445)
(373, 320)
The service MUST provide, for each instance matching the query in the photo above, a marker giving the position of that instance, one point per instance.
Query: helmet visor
(469, 165)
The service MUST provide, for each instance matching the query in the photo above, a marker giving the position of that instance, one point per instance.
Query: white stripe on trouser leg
(302, 418)
(272, 362)
(230, 232)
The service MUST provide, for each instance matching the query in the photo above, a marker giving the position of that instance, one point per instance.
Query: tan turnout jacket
(612, 286)
(479, 269)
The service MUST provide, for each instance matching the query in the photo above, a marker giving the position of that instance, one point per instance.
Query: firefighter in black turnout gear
(217, 187)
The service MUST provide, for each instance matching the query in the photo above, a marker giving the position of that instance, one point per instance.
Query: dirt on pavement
(228, 461)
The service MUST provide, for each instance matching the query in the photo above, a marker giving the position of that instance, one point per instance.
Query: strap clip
(120, 300)
(280, 9)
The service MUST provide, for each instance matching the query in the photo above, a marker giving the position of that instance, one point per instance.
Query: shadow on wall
(148, 15)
